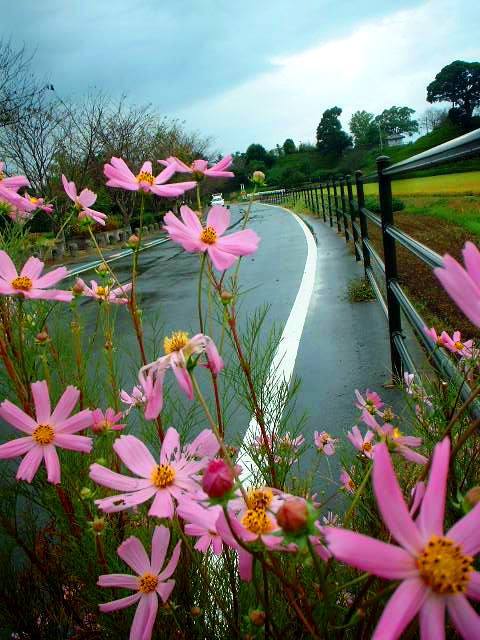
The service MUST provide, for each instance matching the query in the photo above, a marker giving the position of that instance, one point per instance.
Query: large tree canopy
(331, 139)
(397, 120)
(458, 83)
(364, 129)
(289, 146)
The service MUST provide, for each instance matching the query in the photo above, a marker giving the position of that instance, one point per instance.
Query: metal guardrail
(329, 201)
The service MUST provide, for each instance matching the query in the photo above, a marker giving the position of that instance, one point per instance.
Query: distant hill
(306, 166)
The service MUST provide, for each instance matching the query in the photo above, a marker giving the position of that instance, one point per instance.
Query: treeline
(335, 149)
(44, 136)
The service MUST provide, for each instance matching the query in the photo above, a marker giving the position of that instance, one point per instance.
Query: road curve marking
(283, 362)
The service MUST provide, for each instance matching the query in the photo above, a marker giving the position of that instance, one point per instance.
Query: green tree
(289, 146)
(458, 83)
(258, 152)
(364, 129)
(331, 139)
(397, 120)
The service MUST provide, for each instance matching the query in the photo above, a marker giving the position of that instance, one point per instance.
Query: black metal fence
(334, 200)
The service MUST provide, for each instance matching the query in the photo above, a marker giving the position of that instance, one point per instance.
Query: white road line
(283, 363)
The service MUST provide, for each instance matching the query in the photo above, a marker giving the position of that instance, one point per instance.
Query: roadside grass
(360, 290)
(466, 184)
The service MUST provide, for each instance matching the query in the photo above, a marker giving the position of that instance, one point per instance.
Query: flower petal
(123, 501)
(114, 605)
(219, 219)
(392, 504)
(160, 540)
(113, 480)
(162, 505)
(121, 580)
(170, 446)
(401, 609)
(368, 554)
(133, 553)
(17, 418)
(52, 463)
(473, 588)
(432, 618)
(164, 589)
(32, 268)
(144, 618)
(7, 269)
(65, 405)
(466, 532)
(135, 455)
(16, 447)
(41, 400)
(172, 564)
(432, 510)
(30, 463)
(464, 616)
(77, 422)
(73, 443)
(221, 260)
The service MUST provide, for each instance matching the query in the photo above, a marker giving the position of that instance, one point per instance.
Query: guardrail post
(390, 258)
(323, 203)
(353, 215)
(363, 219)
(329, 204)
(344, 209)
(335, 199)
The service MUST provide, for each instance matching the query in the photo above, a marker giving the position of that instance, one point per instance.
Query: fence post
(323, 203)
(335, 199)
(363, 219)
(353, 215)
(329, 204)
(390, 257)
(344, 209)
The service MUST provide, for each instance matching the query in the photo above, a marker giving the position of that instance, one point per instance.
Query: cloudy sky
(250, 71)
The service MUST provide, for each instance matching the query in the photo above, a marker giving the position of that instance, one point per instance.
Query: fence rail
(335, 202)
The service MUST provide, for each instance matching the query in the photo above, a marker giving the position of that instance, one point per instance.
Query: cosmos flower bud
(257, 617)
(102, 268)
(97, 525)
(42, 337)
(472, 497)
(85, 493)
(133, 240)
(293, 515)
(78, 288)
(258, 177)
(218, 479)
(195, 612)
(226, 297)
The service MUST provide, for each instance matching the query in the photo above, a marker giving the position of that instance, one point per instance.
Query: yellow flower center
(444, 567)
(257, 521)
(43, 434)
(371, 408)
(460, 346)
(396, 433)
(367, 446)
(22, 283)
(163, 475)
(147, 583)
(32, 199)
(388, 415)
(351, 484)
(102, 292)
(259, 499)
(2, 175)
(175, 342)
(104, 425)
(144, 176)
(209, 235)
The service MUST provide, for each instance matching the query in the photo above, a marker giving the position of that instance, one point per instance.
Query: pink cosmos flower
(38, 203)
(463, 285)
(178, 349)
(435, 569)
(30, 284)
(222, 250)
(371, 403)
(251, 521)
(149, 583)
(83, 202)
(456, 345)
(46, 432)
(135, 399)
(119, 295)
(174, 477)
(363, 444)
(119, 175)
(433, 335)
(14, 183)
(347, 482)
(324, 442)
(200, 167)
(395, 439)
(201, 523)
(107, 421)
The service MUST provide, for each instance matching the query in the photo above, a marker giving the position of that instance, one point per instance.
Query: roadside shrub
(373, 204)
(360, 290)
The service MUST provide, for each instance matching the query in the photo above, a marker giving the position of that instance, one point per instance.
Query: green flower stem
(358, 495)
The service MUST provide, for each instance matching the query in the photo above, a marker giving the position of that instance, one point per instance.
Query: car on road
(217, 200)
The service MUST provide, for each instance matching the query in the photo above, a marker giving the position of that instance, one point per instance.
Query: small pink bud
(257, 617)
(78, 288)
(292, 515)
(472, 497)
(218, 479)
(133, 240)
